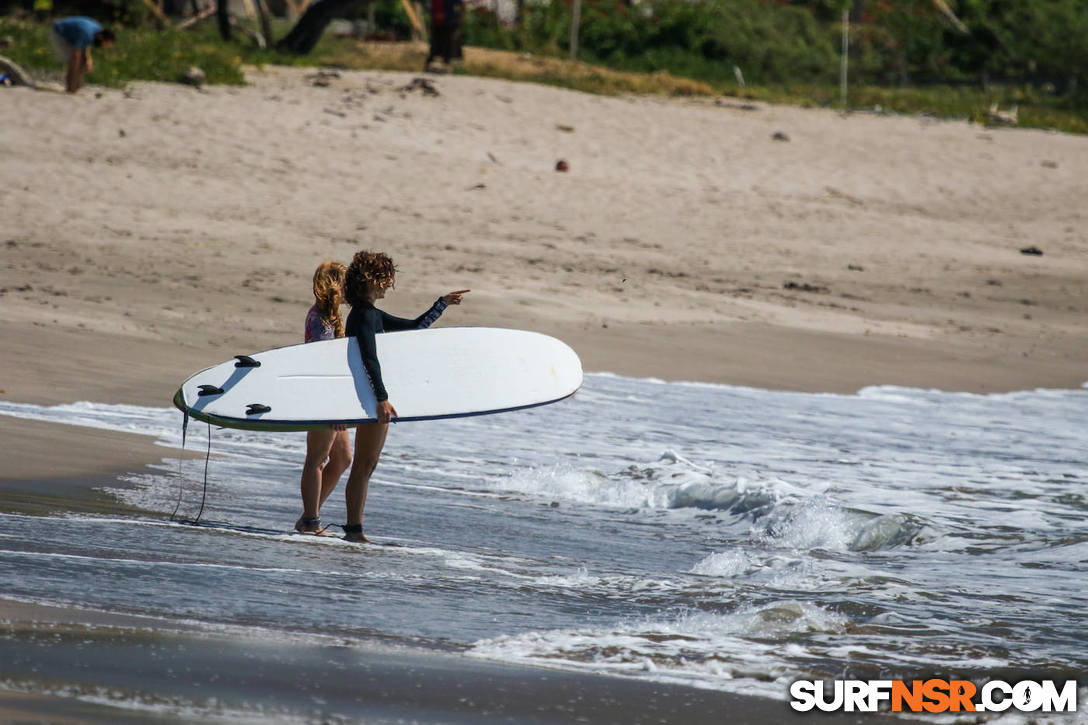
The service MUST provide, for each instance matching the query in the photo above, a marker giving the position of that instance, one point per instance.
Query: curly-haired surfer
(368, 278)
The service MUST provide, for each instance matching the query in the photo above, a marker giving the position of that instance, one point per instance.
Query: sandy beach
(158, 229)
(151, 232)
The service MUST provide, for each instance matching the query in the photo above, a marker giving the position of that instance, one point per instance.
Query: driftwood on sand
(19, 77)
(997, 117)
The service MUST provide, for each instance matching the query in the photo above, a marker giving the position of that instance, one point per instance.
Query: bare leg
(339, 460)
(73, 79)
(318, 444)
(369, 441)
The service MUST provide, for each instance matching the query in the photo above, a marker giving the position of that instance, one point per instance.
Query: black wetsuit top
(366, 321)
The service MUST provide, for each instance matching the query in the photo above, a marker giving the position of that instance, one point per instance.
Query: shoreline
(147, 666)
(727, 353)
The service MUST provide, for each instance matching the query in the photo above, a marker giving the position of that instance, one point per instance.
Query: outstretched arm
(392, 323)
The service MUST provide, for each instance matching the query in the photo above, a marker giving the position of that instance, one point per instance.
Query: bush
(699, 38)
(893, 42)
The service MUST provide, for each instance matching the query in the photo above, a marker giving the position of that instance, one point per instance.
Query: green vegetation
(893, 42)
(1036, 109)
(140, 54)
(906, 56)
(702, 39)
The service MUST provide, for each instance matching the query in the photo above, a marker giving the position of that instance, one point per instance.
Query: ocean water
(727, 538)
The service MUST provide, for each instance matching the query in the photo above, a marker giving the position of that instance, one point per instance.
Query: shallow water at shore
(729, 538)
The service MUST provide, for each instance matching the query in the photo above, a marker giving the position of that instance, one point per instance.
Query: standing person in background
(368, 278)
(445, 32)
(328, 451)
(72, 40)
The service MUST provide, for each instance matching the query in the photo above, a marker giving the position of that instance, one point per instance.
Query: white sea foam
(689, 647)
(208, 710)
(726, 564)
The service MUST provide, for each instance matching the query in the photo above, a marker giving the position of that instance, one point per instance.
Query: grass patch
(512, 66)
(151, 55)
(1035, 108)
(139, 55)
(578, 76)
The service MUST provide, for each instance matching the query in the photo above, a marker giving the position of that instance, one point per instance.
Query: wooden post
(205, 13)
(263, 17)
(160, 16)
(222, 20)
(845, 56)
(418, 32)
(424, 28)
(575, 21)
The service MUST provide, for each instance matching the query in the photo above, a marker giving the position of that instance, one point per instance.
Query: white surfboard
(449, 372)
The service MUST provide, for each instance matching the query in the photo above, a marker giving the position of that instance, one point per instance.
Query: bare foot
(356, 536)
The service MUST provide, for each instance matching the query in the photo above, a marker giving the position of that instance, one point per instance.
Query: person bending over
(72, 40)
(369, 277)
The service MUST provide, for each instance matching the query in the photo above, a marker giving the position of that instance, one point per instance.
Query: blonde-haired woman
(328, 451)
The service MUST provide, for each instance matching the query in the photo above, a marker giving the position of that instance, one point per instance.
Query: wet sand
(153, 668)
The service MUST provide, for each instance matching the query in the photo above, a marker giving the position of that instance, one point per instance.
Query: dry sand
(151, 232)
(148, 233)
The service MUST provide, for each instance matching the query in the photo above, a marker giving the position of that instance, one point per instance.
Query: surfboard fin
(257, 408)
(245, 361)
(209, 390)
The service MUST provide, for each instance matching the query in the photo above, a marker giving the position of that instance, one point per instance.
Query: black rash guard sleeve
(366, 322)
(396, 324)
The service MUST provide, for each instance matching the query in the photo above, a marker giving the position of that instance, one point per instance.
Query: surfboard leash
(204, 496)
(181, 478)
(181, 460)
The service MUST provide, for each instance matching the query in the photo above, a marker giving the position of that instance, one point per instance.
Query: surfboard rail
(283, 426)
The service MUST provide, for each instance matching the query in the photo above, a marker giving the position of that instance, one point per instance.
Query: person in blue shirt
(72, 40)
